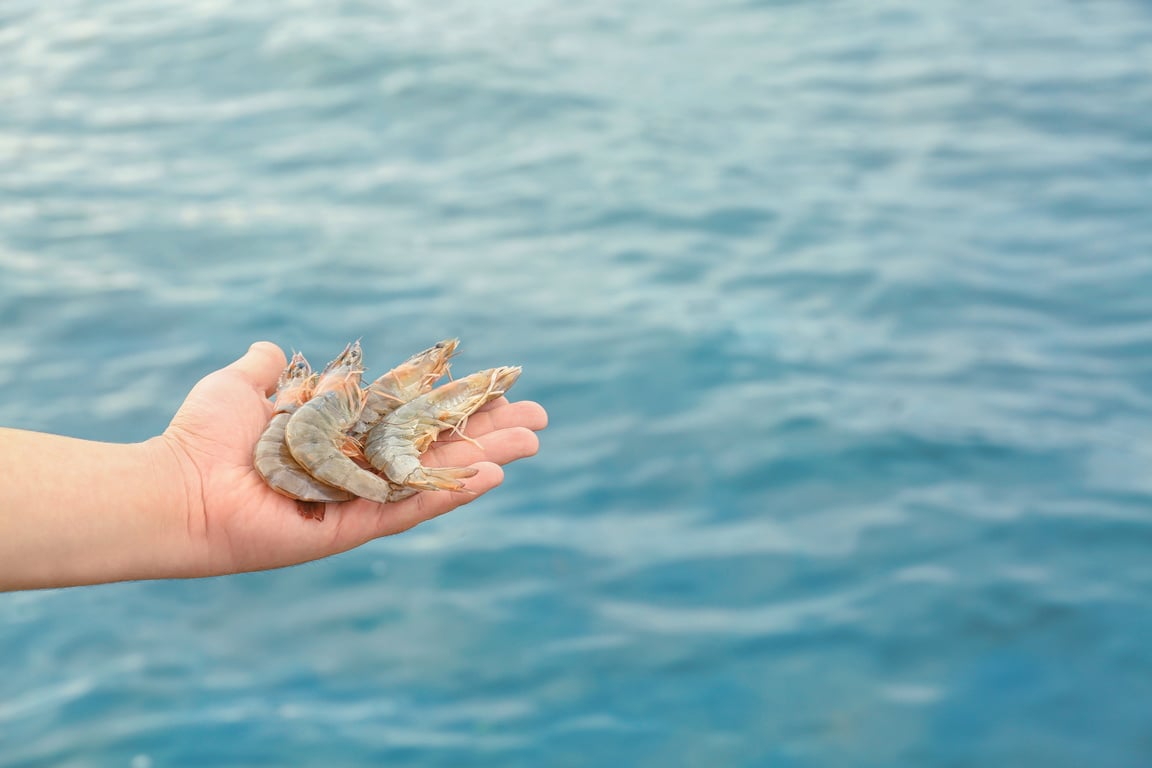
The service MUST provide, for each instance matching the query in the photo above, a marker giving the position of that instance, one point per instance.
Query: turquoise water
(841, 311)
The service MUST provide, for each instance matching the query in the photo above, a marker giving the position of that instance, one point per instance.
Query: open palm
(237, 523)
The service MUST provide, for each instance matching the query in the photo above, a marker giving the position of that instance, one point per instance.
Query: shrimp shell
(316, 435)
(395, 444)
(349, 362)
(410, 379)
(272, 459)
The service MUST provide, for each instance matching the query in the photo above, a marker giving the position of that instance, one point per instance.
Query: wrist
(174, 494)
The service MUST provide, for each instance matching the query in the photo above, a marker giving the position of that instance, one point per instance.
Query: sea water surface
(842, 311)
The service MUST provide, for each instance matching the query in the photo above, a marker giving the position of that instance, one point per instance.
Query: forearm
(79, 512)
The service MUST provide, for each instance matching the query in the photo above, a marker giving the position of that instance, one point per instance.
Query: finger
(524, 413)
(502, 446)
(261, 366)
(497, 403)
(393, 518)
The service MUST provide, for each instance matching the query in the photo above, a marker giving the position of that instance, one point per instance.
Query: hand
(235, 522)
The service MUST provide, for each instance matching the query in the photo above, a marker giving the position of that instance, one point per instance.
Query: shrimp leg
(395, 444)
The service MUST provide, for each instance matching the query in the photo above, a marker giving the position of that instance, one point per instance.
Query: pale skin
(188, 503)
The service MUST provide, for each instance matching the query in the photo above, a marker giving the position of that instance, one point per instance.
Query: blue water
(842, 312)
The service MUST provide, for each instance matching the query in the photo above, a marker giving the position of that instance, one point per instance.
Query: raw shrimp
(410, 379)
(316, 436)
(395, 444)
(272, 458)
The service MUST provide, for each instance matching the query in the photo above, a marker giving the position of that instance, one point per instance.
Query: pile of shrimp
(333, 439)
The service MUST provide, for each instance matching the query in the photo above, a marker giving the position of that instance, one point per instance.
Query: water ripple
(839, 310)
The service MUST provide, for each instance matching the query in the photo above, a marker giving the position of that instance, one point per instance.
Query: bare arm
(188, 503)
(79, 512)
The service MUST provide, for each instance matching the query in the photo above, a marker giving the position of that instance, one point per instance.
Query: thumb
(261, 366)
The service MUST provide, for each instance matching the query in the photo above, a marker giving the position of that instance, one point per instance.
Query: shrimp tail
(439, 478)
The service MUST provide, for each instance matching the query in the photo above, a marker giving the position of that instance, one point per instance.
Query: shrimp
(316, 432)
(272, 458)
(410, 379)
(395, 444)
